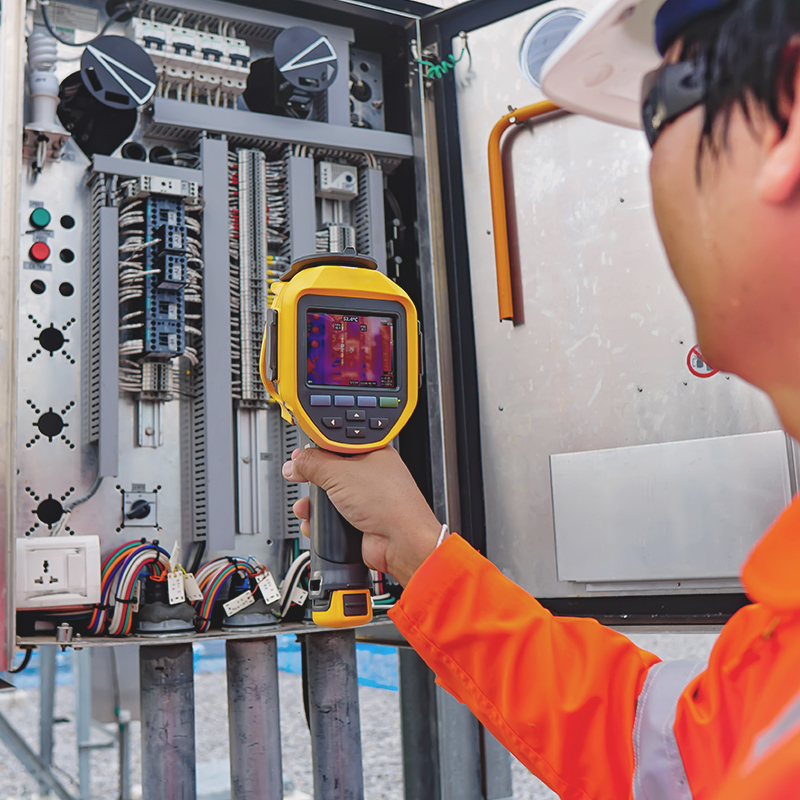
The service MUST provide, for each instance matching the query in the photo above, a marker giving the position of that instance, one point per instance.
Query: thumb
(314, 465)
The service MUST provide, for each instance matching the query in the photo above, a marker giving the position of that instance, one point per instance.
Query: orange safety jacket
(597, 718)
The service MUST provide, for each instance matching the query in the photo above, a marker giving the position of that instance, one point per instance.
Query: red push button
(39, 251)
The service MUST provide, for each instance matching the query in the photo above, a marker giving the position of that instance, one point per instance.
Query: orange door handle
(505, 296)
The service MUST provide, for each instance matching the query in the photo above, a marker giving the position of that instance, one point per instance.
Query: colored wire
(118, 580)
(211, 578)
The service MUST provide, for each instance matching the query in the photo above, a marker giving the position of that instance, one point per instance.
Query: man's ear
(779, 177)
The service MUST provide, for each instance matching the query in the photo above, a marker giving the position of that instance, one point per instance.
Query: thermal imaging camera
(341, 354)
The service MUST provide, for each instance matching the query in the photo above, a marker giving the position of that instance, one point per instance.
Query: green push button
(40, 217)
(390, 402)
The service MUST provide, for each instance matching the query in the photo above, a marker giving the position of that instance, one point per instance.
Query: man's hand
(376, 494)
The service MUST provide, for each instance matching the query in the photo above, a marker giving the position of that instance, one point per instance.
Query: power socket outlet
(58, 571)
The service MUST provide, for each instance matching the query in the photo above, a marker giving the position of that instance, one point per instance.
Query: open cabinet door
(601, 464)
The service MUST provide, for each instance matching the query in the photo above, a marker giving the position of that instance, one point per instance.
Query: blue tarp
(377, 665)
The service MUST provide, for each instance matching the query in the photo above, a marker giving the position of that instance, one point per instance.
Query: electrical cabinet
(167, 178)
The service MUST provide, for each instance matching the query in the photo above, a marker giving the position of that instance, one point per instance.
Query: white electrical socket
(58, 571)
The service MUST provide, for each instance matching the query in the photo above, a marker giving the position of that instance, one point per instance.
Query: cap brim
(598, 69)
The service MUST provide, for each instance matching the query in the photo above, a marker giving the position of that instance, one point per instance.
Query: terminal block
(152, 184)
(170, 256)
(172, 270)
(164, 302)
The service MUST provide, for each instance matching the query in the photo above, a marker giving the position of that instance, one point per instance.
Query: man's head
(725, 173)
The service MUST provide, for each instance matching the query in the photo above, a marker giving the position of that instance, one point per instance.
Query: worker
(588, 712)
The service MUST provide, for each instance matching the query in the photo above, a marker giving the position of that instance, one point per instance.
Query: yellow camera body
(361, 403)
(341, 354)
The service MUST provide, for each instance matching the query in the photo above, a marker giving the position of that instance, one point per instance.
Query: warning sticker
(69, 17)
(698, 366)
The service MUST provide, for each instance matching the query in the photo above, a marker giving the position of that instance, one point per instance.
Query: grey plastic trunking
(268, 127)
(220, 492)
(302, 206)
(108, 393)
(376, 222)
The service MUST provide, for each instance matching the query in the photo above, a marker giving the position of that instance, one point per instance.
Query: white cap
(598, 69)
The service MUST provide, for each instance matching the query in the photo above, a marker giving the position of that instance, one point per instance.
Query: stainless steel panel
(678, 510)
(64, 467)
(173, 118)
(600, 359)
(12, 73)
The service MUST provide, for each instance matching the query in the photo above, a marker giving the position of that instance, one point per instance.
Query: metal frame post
(82, 676)
(166, 673)
(497, 778)
(334, 716)
(47, 698)
(124, 740)
(254, 719)
(418, 727)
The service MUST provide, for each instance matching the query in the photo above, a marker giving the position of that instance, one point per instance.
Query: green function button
(390, 402)
(40, 217)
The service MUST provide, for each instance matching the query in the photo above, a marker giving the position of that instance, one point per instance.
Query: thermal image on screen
(350, 350)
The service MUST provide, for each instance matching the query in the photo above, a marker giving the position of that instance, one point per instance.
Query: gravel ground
(380, 726)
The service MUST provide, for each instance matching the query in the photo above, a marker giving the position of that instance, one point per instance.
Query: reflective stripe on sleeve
(659, 773)
(787, 723)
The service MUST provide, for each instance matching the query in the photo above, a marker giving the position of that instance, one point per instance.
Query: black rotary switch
(140, 509)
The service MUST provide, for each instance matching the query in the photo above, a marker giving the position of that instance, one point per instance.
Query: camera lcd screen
(351, 350)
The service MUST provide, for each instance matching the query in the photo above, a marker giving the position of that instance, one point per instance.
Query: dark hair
(746, 48)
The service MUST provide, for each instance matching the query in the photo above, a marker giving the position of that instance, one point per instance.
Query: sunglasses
(669, 92)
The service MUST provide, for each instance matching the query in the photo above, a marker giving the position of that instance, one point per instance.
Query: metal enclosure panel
(600, 359)
(172, 118)
(678, 510)
(12, 72)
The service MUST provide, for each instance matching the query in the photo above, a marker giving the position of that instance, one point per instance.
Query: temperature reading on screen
(350, 350)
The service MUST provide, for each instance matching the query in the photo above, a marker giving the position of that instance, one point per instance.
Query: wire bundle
(132, 275)
(193, 292)
(275, 185)
(212, 577)
(296, 575)
(234, 272)
(118, 580)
